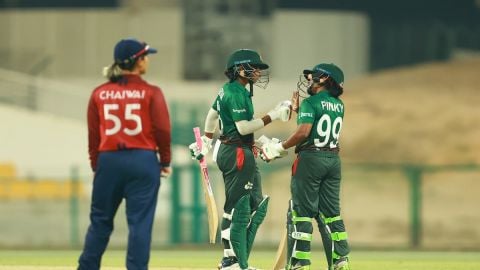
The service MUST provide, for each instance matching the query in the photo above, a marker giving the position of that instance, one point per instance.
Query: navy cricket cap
(128, 50)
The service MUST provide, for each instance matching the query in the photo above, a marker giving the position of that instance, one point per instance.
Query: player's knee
(259, 214)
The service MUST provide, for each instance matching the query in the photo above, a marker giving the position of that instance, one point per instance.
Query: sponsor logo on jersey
(305, 114)
(122, 94)
(334, 107)
(239, 110)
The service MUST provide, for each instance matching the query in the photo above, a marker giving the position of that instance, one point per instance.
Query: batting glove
(272, 150)
(199, 152)
(282, 111)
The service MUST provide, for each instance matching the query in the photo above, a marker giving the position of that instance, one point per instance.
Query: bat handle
(198, 140)
(198, 137)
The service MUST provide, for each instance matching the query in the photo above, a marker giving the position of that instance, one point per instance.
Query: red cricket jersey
(130, 114)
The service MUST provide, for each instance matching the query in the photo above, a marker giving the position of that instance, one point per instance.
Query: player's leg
(299, 240)
(107, 194)
(231, 161)
(141, 192)
(238, 230)
(331, 225)
(234, 235)
(258, 204)
(326, 240)
(335, 242)
(304, 206)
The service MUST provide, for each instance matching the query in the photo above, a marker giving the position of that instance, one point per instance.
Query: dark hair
(130, 64)
(231, 74)
(333, 88)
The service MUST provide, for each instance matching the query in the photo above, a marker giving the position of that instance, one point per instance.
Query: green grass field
(196, 259)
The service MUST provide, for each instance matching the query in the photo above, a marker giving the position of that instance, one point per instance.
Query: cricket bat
(281, 257)
(207, 190)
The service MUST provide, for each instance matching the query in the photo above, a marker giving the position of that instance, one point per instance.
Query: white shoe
(234, 266)
(342, 264)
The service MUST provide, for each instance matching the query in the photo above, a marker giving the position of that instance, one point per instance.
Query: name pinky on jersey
(122, 94)
(334, 107)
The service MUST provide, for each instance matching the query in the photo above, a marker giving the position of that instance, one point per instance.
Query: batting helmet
(323, 69)
(245, 63)
(246, 56)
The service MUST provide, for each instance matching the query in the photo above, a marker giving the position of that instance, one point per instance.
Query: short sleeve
(306, 113)
(215, 104)
(238, 108)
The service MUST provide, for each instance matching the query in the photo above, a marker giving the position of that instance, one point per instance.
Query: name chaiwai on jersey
(122, 94)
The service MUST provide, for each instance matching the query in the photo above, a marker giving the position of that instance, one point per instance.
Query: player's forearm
(245, 127)
(293, 140)
(93, 124)
(161, 127)
(299, 136)
(266, 120)
(93, 144)
(164, 146)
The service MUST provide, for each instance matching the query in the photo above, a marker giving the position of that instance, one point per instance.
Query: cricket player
(128, 125)
(232, 112)
(316, 172)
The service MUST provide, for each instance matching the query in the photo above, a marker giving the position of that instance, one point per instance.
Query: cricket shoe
(341, 264)
(297, 267)
(229, 263)
(235, 266)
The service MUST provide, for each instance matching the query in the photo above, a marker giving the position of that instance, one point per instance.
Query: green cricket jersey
(233, 104)
(325, 113)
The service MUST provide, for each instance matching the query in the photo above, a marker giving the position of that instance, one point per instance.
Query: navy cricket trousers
(134, 175)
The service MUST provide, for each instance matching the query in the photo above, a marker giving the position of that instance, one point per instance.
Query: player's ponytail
(113, 73)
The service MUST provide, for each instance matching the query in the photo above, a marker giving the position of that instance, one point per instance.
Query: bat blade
(211, 207)
(281, 257)
(208, 192)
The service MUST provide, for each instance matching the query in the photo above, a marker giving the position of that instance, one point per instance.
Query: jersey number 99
(328, 131)
(108, 110)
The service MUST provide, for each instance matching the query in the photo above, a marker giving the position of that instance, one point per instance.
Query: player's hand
(271, 149)
(295, 101)
(282, 111)
(199, 152)
(165, 172)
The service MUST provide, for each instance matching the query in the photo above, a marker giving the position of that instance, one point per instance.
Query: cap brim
(151, 51)
(308, 71)
(261, 66)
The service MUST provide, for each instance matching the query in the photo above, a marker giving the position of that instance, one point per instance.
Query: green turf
(191, 258)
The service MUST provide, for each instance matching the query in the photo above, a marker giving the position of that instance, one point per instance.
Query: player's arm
(161, 127)
(272, 149)
(305, 122)
(211, 123)
(93, 122)
(245, 127)
(282, 111)
(302, 132)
